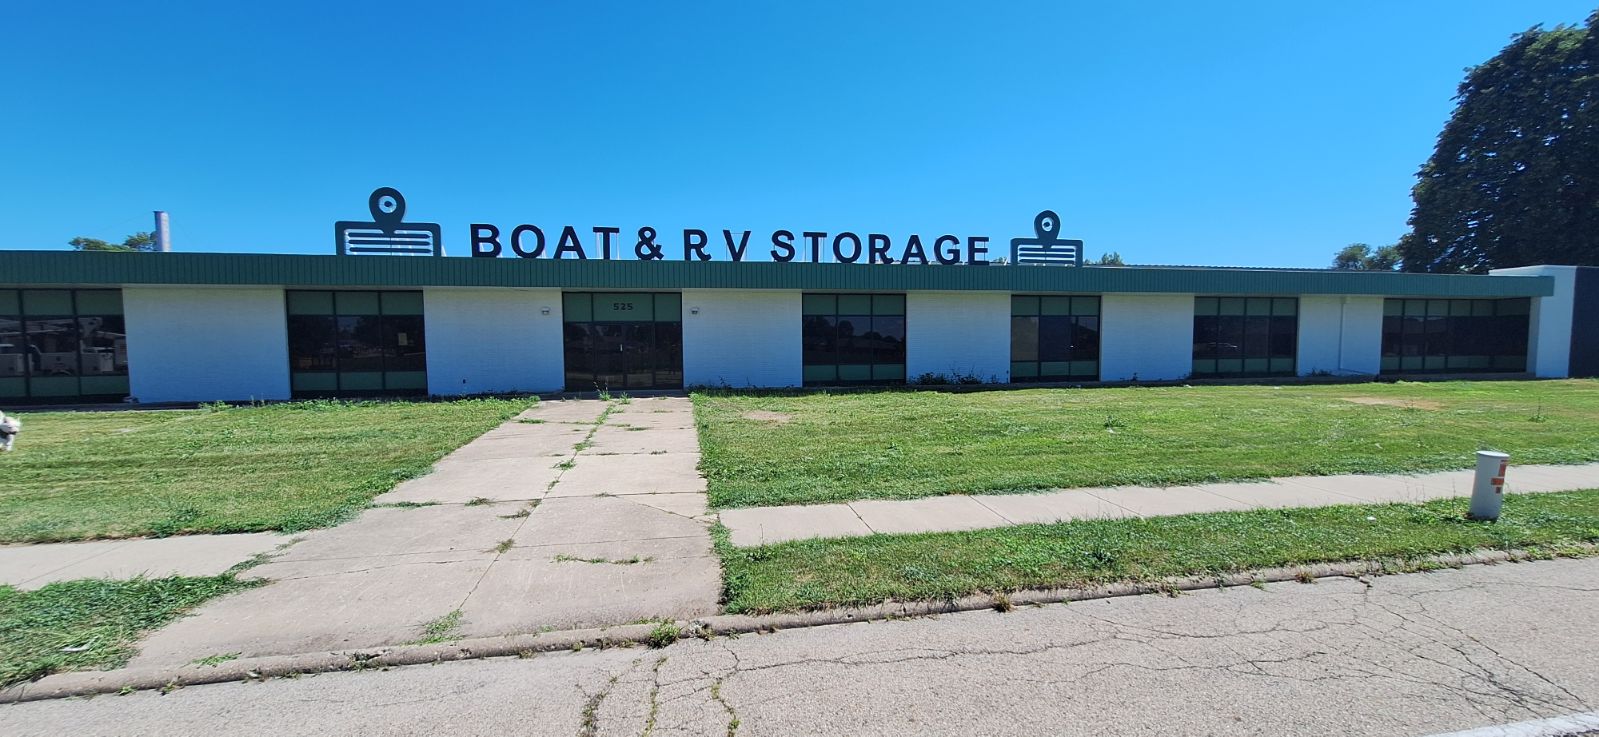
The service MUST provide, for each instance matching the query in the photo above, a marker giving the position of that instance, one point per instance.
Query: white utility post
(1488, 489)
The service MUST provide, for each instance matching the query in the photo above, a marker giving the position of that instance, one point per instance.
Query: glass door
(623, 340)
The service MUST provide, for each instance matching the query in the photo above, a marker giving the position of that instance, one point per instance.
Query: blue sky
(1250, 133)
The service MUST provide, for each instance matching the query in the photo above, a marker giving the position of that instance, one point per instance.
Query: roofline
(80, 268)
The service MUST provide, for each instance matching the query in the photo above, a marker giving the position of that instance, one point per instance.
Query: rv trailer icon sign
(388, 234)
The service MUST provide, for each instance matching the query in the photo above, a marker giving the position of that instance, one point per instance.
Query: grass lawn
(868, 570)
(93, 623)
(800, 449)
(82, 475)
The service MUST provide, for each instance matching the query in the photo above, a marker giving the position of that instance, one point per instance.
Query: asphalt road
(1402, 655)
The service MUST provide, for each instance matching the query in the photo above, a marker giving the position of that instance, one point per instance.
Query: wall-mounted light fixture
(544, 310)
(693, 310)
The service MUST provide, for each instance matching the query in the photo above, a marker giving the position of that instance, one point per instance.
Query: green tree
(141, 241)
(1361, 257)
(1109, 259)
(1514, 179)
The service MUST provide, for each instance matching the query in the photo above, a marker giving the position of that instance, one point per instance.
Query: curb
(90, 683)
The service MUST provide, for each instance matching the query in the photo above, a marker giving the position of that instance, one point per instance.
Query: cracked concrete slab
(385, 601)
(541, 440)
(29, 567)
(527, 595)
(767, 525)
(579, 411)
(1398, 655)
(285, 570)
(458, 482)
(926, 515)
(610, 440)
(404, 530)
(656, 409)
(1023, 509)
(655, 405)
(602, 519)
(668, 473)
(655, 420)
(691, 505)
(662, 548)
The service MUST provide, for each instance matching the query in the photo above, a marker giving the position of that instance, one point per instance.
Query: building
(185, 327)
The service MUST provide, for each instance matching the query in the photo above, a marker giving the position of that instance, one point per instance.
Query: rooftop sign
(387, 235)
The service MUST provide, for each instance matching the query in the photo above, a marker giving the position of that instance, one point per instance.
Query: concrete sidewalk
(766, 525)
(32, 566)
(575, 514)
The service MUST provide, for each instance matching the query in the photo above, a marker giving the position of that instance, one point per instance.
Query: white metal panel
(1148, 337)
(742, 338)
(958, 334)
(197, 344)
(485, 341)
(1340, 336)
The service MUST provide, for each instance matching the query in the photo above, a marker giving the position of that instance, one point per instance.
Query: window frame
(1244, 331)
(889, 307)
(1067, 314)
(1425, 336)
(31, 379)
(308, 383)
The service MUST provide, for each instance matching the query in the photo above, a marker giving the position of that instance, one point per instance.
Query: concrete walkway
(765, 525)
(32, 566)
(575, 514)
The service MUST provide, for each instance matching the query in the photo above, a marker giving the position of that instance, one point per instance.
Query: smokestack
(163, 232)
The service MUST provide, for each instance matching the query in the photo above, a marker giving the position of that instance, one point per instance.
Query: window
(1245, 336)
(1054, 338)
(623, 340)
(853, 339)
(1454, 335)
(63, 344)
(356, 343)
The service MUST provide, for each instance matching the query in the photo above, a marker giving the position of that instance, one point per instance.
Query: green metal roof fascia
(66, 268)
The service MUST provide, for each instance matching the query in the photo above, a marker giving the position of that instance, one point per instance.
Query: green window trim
(389, 377)
(63, 344)
(1074, 317)
(1448, 336)
(830, 356)
(1245, 337)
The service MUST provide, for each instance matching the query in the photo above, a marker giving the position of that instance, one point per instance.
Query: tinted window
(1054, 338)
(356, 342)
(1455, 336)
(853, 338)
(1245, 336)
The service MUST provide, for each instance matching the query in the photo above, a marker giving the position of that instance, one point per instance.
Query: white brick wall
(196, 344)
(742, 338)
(1148, 336)
(493, 340)
(957, 333)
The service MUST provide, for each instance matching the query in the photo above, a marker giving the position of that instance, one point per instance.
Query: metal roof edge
(74, 268)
